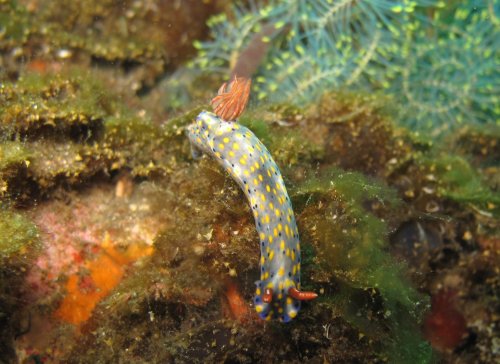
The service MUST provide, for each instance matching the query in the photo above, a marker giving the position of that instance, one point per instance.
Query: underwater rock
(416, 241)
(357, 133)
(142, 37)
(19, 243)
(68, 128)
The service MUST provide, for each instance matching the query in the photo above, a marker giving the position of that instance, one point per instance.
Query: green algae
(12, 153)
(73, 128)
(459, 182)
(340, 220)
(14, 160)
(17, 236)
(14, 23)
(62, 102)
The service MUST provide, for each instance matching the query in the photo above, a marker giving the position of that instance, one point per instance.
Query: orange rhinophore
(232, 99)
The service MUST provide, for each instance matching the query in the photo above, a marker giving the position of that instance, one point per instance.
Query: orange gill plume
(232, 99)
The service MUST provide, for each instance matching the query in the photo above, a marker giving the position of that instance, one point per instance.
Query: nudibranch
(249, 162)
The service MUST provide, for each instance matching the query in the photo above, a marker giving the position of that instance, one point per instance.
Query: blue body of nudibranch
(249, 162)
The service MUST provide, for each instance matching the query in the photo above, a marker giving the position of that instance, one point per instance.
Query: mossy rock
(18, 237)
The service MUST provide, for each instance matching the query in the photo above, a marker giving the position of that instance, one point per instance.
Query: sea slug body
(249, 162)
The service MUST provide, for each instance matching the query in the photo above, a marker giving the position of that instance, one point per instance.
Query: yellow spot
(287, 230)
(255, 213)
(252, 169)
(211, 143)
(288, 218)
(292, 314)
(269, 173)
(262, 260)
(270, 284)
(271, 255)
(282, 245)
(256, 165)
(262, 236)
(266, 276)
(225, 140)
(280, 310)
(257, 291)
(255, 182)
(268, 188)
(198, 140)
(288, 252)
(280, 285)
(238, 135)
(243, 161)
(277, 212)
(293, 255)
(271, 206)
(281, 272)
(263, 198)
(260, 177)
(245, 172)
(266, 220)
(231, 153)
(294, 270)
(258, 147)
(268, 318)
(259, 308)
(289, 301)
(236, 146)
(270, 239)
(261, 159)
(280, 227)
(217, 154)
(275, 232)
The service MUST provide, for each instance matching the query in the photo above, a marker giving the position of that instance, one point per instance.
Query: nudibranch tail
(232, 99)
(249, 162)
